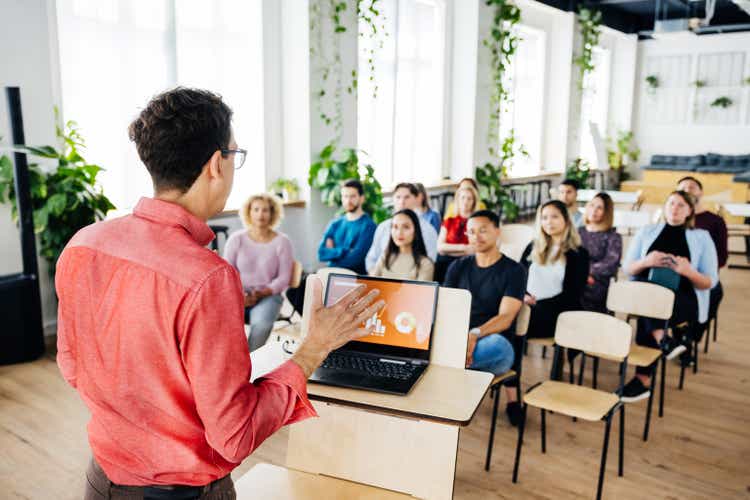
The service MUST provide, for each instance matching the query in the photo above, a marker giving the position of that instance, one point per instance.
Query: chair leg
(519, 443)
(544, 351)
(694, 346)
(621, 457)
(650, 404)
(544, 431)
(682, 376)
(582, 368)
(661, 385)
(708, 336)
(491, 440)
(596, 372)
(603, 465)
(716, 325)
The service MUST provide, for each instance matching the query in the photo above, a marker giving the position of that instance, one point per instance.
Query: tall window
(402, 128)
(595, 109)
(116, 54)
(524, 113)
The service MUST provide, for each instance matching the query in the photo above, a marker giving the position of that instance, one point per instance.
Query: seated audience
(604, 246)
(716, 228)
(567, 192)
(497, 284)
(348, 237)
(558, 268)
(404, 196)
(264, 260)
(450, 210)
(452, 240)
(423, 208)
(405, 256)
(690, 253)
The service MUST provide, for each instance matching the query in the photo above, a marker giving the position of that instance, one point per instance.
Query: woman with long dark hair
(405, 257)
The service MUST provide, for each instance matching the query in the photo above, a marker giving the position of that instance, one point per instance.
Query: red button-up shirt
(150, 333)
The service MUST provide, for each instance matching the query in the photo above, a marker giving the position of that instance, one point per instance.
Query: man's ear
(213, 166)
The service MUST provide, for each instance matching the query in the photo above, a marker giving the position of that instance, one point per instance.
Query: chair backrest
(640, 298)
(325, 271)
(517, 234)
(595, 333)
(296, 278)
(522, 320)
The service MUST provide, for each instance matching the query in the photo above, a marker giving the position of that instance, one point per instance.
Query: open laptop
(397, 352)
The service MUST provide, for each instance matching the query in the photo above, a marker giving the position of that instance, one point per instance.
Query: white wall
(685, 136)
(28, 40)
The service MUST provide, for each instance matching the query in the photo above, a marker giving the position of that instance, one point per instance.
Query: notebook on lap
(396, 354)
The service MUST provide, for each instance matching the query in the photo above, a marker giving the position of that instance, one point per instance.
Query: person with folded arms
(691, 256)
(264, 259)
(405, 256)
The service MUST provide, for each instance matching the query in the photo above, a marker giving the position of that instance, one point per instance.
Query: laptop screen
(404, 326)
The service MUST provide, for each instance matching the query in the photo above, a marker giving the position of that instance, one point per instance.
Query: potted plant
(327, 174)
(722, 102)
(578, 170)
(287, 189)
(64, 198)
(653, 83)
(494, 193)
(621, 152)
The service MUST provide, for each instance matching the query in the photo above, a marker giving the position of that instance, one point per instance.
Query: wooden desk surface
(443, 394)
(271, 482)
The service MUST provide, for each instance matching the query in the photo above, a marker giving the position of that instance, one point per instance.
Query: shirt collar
(171, 214)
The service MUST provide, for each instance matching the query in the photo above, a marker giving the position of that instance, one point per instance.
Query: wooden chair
(271, 482)
(522, 324)
(638, 298)
(514, 238)
(602, 335)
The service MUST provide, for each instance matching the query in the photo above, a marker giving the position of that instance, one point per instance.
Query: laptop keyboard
(371, 366)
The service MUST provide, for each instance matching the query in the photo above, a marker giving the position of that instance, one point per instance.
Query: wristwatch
(475, 331)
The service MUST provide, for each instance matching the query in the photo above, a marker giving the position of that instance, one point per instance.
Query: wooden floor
(700, 449)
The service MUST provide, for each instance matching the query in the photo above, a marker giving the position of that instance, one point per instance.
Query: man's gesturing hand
(331, 327)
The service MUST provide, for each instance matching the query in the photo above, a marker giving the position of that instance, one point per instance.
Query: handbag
(664, 276)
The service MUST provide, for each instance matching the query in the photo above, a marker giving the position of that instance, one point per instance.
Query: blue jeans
(493, 354)
(261, 318)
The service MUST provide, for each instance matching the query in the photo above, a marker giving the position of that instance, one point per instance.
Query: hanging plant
(502, 43)
(722, 102)
(746, 81)
(370, 16)
(327, 174)
(699, 84)
(589, 22)
(653, 83)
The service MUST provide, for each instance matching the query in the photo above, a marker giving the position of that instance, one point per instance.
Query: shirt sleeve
(326, 254)
(452, 274)
(602, 270)
(66, 341)
(286, 264)
(231, 249)
(708, 263)
(634, 251)
(720, 236)
(237, 415)
(430, 240)
(376, 249)
(516, 286)
(426, 270)
(362, 243)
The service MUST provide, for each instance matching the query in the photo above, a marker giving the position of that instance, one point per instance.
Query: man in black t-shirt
(497, 285)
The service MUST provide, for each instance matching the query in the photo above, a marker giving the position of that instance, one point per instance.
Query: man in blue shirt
(348, 237)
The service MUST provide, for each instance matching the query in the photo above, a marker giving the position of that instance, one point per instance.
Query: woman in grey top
(604, 245)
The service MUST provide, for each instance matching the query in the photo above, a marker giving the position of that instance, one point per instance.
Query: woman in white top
(405, 257)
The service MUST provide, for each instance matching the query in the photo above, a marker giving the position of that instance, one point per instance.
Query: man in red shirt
(150, 324)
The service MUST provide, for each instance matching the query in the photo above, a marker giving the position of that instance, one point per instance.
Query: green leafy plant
(746, 81)
(621, 152)
(578, 170)
(722, 102)
(489, 176)
(653, 83)
(328, 172)
(502, 43)
(699, 84)
(65, 198)
(288, 188)
(589, 22)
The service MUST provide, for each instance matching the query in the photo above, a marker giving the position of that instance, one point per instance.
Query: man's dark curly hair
(177, 133)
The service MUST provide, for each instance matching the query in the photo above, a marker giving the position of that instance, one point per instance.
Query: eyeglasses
(239, 156)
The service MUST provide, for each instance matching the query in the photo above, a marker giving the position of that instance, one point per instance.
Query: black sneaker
(671, 348)
(514, 413)
(634, 391)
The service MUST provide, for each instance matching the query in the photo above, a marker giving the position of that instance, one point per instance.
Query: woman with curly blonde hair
(263, 257)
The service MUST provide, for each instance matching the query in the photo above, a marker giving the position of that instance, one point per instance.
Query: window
(524, 113)
(116, 54)
(402, 128)
(594, 110)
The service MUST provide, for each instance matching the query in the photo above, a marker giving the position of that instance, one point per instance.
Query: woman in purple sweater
(264, 259)
(605, 251)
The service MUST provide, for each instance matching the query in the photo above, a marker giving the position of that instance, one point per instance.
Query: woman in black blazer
(557, 266)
